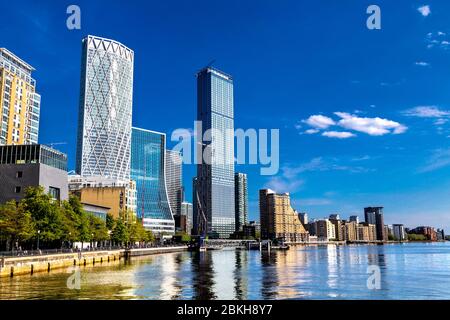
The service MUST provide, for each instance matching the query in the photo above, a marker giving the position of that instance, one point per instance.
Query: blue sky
(363, 113)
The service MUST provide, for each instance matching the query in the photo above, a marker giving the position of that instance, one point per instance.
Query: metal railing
(28, 253)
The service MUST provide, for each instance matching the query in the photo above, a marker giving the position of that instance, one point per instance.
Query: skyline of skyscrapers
(214, 187)
(19, 103)
(105, 110)
(148, 153)
(104, 132)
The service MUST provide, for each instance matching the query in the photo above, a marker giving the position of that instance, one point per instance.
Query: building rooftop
(11, 57)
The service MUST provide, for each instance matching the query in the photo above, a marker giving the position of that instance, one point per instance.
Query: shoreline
(28, 265)
(17, 266)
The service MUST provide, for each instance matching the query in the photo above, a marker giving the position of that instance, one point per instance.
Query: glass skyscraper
(148, 171)
(104, 124)
(214, 186)
(241, 200)
(174, 173)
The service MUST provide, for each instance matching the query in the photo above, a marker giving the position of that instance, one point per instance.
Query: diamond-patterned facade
(104, 128)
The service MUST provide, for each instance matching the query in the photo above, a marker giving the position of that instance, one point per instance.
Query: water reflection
(312, 272)
(202, 276)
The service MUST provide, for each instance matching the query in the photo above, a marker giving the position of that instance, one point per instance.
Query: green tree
(110, 221)
(98, 228)
(136, 232)
(16, 224)
(45, 212)
(120, 233)
(71, 224)
(82, 220)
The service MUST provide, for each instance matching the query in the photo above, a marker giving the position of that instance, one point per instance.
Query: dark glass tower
(374, 215)
(214, 186)
(241, 200)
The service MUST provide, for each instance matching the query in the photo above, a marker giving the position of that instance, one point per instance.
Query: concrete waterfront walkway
(28, 265)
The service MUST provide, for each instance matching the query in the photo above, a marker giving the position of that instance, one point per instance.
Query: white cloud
(422, 64)
(319, 121)
(424, 10)
(338, 134)
(372, 126)
(313, 202)
(440, 33)
(426, 112)
(312, 131)
(438, 160)
(281, 185)
(440, 121)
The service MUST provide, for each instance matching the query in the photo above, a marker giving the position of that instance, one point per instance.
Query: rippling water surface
(408, 271)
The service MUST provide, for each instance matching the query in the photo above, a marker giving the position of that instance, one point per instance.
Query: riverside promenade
(28, 265)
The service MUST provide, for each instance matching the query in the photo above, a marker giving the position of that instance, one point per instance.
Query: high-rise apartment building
(174, 174)
(354, 219)
(215, 184)
(278, 219)
(19, 102)
(374, 215)
(325, 230)
(350, 230)
(105, 111)
(339, 230)
(399, 232)
(303, 216)
(148, 152)
(241, 200)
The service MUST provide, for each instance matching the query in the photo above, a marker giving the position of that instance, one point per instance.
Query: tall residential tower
(214, 187)
(19, 102)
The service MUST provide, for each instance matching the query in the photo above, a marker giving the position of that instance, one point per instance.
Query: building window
(19, 174)
(17, 189)
(54, 193)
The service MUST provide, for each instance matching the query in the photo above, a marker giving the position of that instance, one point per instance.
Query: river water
(407, 271)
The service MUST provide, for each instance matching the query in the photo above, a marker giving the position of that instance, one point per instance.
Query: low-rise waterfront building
(426, 231)
(350, 231)
(118, 196)
(33, 165)
(325, 230)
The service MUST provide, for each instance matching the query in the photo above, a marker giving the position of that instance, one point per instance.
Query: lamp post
(110, 241)
(39, 232)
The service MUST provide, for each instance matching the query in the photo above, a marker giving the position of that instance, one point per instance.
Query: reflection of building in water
(269, 279)
(224, 271)
(332, 264)
(202, 276)
(240, 275)
(375, 256)
(290, 283)
(170, 288)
